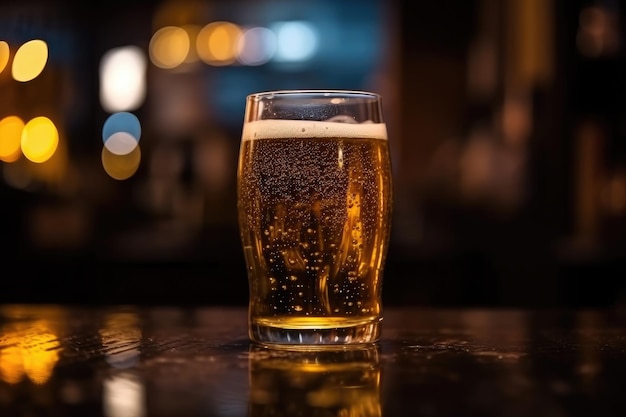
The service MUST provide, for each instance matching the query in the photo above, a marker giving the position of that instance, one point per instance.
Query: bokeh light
(11, 128)
(121, 143)
(4, 55)
(297, 41)
(40, 139)
(217, 43)
(30, 60)
(123, 79)
(121, 167)
(121, 133)
(257, 46)
(169, 47)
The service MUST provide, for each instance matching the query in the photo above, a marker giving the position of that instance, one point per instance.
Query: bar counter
(131, 361)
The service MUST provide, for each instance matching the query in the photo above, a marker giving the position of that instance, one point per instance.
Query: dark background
(507, 126)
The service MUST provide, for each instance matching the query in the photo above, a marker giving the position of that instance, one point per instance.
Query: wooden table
(125, 361)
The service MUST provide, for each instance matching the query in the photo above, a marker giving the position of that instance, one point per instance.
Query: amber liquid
(314, 216)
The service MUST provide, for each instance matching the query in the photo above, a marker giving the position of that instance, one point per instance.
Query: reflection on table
(326, 382)
(125, 361)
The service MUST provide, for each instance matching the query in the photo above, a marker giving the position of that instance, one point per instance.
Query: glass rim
(322, 92)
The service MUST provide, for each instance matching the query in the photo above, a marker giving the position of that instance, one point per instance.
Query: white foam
(264, 129)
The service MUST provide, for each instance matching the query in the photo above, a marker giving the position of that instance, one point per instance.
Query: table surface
(125, 361)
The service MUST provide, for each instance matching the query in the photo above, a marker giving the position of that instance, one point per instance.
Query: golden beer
(314, 202)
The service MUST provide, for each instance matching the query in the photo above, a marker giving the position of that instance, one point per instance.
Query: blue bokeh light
(121, 122)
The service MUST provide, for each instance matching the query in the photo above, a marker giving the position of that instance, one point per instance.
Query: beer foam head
(281, 129)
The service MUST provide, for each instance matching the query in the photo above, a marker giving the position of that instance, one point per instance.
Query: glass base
(358, 334)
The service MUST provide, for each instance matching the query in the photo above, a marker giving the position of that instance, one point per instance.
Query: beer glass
(314, 192)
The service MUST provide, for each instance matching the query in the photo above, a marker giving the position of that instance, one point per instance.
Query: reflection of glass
(314, 383)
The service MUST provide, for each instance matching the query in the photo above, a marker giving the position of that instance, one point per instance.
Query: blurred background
(120, 126)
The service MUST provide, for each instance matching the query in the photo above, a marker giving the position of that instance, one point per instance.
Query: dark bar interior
(505, 119)
(123, 286)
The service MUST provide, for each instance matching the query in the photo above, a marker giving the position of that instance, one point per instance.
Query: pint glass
(314, 192)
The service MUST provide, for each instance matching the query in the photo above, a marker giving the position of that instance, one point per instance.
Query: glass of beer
(314, 192)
